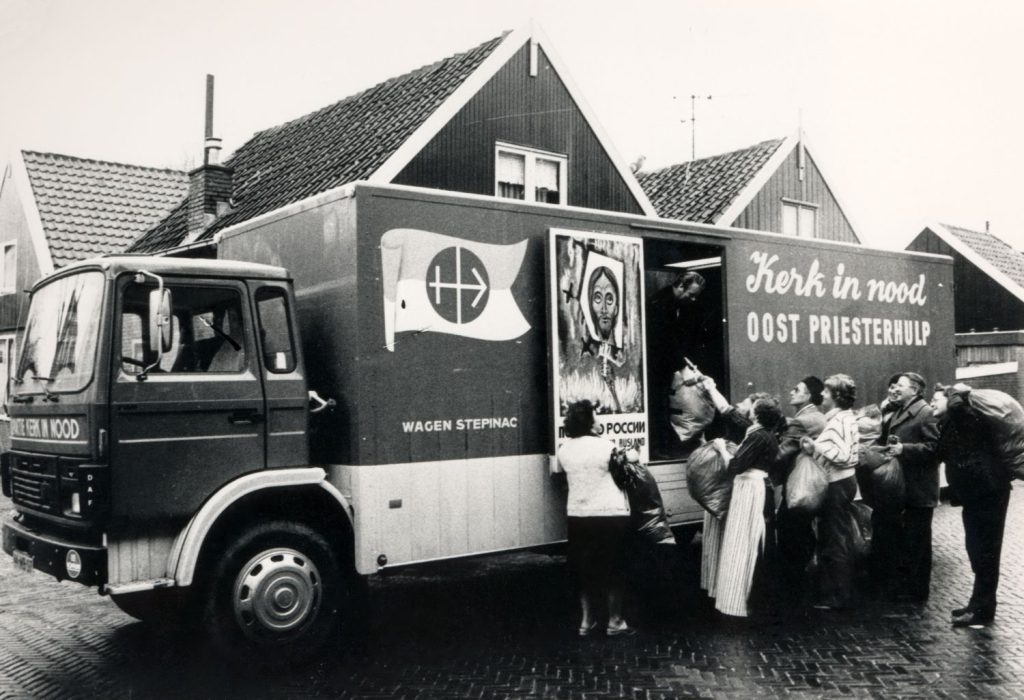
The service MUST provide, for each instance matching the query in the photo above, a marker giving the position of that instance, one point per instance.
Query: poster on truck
(597, 332)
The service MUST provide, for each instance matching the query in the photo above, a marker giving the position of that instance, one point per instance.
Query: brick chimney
(210, 185)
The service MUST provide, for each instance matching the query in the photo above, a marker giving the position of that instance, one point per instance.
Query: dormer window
(529, 174)
(9, 268)
(799, 218)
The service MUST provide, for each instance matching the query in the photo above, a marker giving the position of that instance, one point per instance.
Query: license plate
(23, 561)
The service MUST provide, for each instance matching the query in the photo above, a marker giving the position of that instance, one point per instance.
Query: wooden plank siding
(14, 227)
(534, 112)
(981, 304)
(764, 213)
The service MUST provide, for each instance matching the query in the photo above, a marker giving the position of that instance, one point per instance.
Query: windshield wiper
(47, 396)
(234, 343)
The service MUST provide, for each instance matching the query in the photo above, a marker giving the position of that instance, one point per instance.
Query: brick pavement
(503, 628)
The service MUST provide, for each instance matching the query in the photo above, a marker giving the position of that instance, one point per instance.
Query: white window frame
(6, 371)
(8, 286)
(799, 207)
(530, 156)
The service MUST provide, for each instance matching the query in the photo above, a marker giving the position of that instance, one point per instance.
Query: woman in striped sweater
(836, 451)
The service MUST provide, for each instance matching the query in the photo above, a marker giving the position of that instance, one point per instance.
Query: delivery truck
(375, 377)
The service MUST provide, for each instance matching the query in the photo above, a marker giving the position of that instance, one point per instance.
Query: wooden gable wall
(14, 227)
(980, 303)
(764, 213)
(534, 112)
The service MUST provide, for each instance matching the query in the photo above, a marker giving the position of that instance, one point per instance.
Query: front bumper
(49, 554)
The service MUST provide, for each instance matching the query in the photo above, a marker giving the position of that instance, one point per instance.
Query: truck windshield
(59, 346)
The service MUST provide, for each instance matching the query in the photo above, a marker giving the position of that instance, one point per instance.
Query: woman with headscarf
(746, 543)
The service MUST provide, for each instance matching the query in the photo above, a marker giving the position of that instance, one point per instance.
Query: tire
(276, 594)
(167, 606)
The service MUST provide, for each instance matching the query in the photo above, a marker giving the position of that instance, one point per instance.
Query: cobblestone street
(504, 628)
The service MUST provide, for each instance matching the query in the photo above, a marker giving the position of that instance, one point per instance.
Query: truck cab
(145, 385)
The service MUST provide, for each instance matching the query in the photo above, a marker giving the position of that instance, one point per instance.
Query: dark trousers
(795, 535)
(917, 552)
(837, 533)
(984, 523)
(901, 552)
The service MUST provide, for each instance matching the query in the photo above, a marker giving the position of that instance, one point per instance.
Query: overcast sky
(913, 109)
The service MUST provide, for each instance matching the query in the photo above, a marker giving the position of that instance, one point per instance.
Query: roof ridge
(777, 141)
(981, 233)
(80, 159)
(394, 79)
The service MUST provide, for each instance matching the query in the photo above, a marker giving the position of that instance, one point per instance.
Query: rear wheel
(277, 593)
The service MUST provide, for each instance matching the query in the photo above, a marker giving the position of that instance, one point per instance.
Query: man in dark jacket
(980, 481)
(673, 313)
(901, 545)
(795, 532)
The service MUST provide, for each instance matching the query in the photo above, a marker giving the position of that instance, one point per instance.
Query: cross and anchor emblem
(457, 285)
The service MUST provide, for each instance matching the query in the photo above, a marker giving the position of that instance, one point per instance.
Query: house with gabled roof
(502, 119)
(57, 209)
(774, 186)
(988, 275)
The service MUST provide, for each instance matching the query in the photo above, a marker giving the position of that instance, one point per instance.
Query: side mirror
(161, 330)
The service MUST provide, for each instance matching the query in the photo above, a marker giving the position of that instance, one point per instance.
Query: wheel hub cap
(276, 594)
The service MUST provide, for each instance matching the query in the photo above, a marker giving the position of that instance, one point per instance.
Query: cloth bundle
(690, 407)
(879, 476)
(647, 510)
(806, 485)
(708, 480)
(1006, 418)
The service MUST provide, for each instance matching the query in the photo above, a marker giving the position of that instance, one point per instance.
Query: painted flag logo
(442, 284)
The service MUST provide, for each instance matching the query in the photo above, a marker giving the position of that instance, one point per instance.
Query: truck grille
(34, 482)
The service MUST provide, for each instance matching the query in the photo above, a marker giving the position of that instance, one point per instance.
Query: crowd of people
(764, 552)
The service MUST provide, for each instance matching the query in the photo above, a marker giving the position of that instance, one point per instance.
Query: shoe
(585, 631)
(973, 618)
(624, 631)
(960, 612)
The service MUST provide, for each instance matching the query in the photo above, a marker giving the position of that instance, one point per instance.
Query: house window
(6, 353)
(531, 175)
(798, 219)
(9, 268)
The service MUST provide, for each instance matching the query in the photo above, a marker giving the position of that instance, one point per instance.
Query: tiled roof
(701, 190)
(91, 207)
(342, 143)
(1007, 260)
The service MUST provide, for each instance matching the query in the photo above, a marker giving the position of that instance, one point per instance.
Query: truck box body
(446, 380)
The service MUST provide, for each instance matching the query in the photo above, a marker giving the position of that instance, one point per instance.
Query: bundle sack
(806, 485)
(691, 409)
(708, 480)
(647, 510)
(881, 481)
(1006, 418)
(869, 429)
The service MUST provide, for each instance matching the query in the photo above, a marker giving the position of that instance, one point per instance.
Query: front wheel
(277, 593)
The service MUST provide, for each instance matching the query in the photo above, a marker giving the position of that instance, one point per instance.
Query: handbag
(806, 485)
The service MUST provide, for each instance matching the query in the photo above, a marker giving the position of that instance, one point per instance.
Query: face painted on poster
(604, 303)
